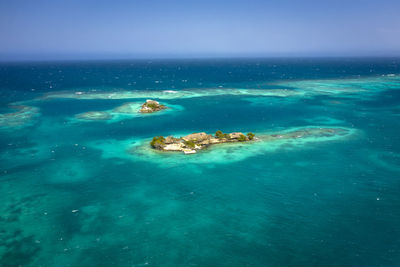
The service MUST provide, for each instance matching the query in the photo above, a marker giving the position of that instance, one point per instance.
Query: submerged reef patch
(307, 88)
(23, 117)
(94, 116)
(169, 94)
(348, 87)
(69, 171)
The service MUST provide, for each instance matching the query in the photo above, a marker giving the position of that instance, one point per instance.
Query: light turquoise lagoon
(78, 192)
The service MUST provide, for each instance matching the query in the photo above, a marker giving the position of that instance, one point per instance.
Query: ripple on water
(385, 159)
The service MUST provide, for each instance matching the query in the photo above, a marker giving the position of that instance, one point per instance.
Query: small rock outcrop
(189, 144)
(151, 106)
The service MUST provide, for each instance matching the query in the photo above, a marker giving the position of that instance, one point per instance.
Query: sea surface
(78, 192)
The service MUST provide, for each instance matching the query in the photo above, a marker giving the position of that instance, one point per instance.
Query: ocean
(77, 190)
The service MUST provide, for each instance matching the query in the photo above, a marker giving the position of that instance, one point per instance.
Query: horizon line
(194, 57)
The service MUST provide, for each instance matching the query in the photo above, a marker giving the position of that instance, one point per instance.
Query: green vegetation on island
(191, 143)
(242, 138)
(157, 142)
(151, 106)
(220, 135)
(251, 136)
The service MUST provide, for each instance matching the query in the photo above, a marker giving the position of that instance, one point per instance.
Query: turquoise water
(92, 193)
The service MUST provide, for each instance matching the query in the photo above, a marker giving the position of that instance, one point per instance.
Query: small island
(189, 144)
(151, 106)
(126, 110)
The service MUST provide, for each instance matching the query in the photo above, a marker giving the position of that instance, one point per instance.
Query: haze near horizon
(44, 29)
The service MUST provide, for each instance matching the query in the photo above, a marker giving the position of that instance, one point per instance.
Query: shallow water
(92, 193)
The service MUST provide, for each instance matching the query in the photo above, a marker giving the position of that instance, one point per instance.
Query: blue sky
(51, 29)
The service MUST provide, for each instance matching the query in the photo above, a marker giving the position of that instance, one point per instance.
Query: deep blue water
(82, 193)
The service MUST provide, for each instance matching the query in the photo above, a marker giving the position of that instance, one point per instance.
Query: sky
(85, 29)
